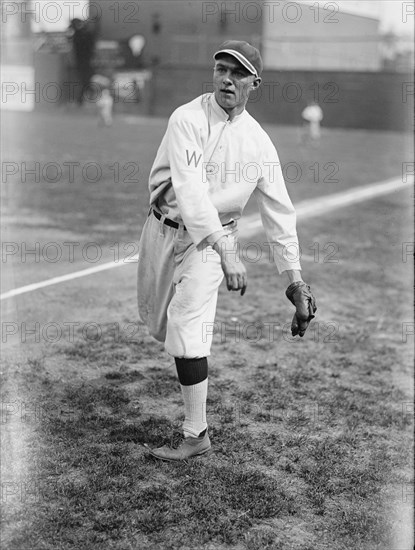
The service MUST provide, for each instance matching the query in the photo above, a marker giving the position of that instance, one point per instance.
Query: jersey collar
(220, 114)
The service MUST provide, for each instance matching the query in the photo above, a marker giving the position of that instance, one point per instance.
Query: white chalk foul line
(68, 277)
(250, 225)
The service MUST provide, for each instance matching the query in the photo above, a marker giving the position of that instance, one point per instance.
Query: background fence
(371, 100)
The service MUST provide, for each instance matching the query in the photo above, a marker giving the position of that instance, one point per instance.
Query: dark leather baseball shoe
(189, 447)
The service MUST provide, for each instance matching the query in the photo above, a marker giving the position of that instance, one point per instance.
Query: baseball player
(213, 156)
(312, 116)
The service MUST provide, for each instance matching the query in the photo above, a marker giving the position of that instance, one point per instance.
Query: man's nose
(227, 78)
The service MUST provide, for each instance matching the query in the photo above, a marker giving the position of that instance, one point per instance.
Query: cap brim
(241, 58)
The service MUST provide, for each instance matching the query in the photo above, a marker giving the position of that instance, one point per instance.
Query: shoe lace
(176, 438)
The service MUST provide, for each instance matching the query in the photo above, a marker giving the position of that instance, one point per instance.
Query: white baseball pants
(178, 288)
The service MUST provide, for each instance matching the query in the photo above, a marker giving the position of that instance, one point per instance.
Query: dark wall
(373, 100)
(175, 30)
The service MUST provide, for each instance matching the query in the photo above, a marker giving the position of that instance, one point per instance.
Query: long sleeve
(277, 211)
(186, 160)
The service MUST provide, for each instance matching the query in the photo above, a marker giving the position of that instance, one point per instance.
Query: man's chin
(226, 101)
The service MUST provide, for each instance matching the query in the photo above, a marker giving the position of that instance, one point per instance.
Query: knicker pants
(178, 288)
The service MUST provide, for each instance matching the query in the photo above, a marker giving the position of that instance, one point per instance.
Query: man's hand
(299, 293)
(232, 266)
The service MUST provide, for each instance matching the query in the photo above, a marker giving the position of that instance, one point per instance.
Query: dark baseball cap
(246, 54)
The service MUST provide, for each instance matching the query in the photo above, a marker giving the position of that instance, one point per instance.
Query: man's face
(232, 83)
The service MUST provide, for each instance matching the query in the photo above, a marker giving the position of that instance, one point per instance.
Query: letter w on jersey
(192, 158)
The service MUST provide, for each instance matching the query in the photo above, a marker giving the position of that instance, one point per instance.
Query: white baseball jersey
(206, 169)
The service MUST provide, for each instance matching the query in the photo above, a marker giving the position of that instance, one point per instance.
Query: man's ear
(256, 83)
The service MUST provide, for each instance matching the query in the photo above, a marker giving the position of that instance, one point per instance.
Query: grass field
(312, 438)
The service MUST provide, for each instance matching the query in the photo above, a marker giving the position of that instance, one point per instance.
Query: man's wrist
(225, 247)
(293, 275)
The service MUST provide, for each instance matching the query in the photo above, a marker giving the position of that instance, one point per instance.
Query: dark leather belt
(171, 223)
(168, 222)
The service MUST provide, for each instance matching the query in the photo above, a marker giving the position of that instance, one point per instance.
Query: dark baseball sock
(191, 371)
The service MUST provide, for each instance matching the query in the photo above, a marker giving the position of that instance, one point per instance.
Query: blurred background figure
(83, 41)
(105, 100)
(104, 105)
(312, 116)
(136, 44)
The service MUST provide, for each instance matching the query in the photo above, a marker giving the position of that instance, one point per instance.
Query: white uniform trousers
(178, 287)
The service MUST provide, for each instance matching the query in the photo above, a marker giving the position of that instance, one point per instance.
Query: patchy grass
(323, 454)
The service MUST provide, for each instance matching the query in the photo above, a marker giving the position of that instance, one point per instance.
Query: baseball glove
(299, 294)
